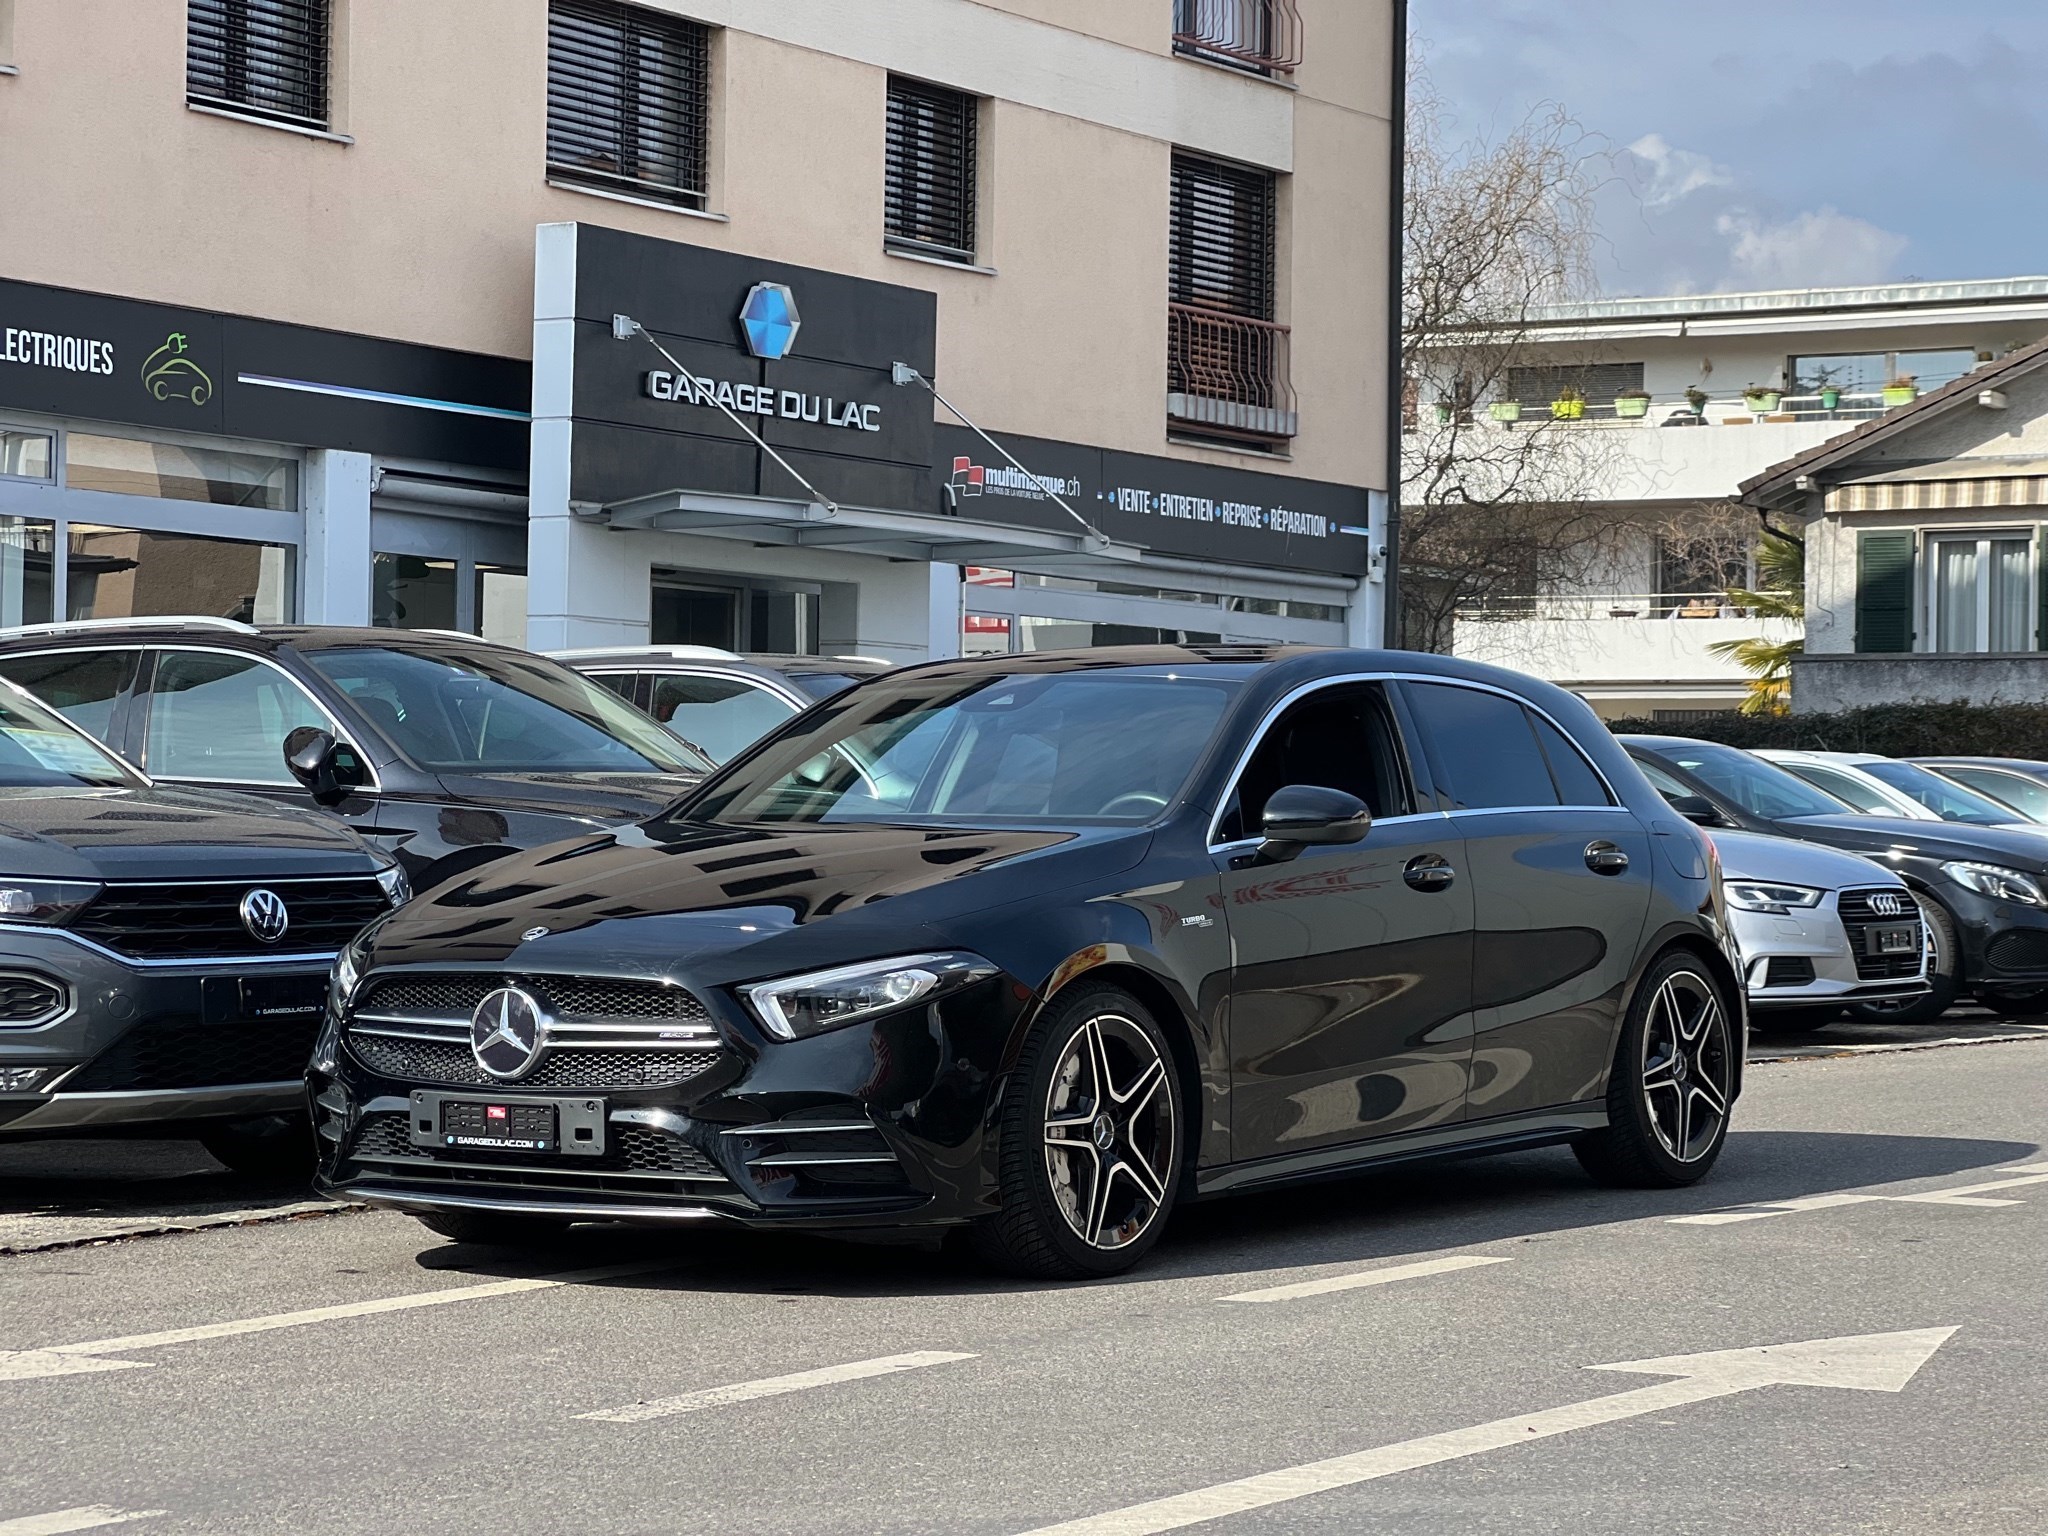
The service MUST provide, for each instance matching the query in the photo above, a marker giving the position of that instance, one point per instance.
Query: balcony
(1229, 374)
(1261, 36)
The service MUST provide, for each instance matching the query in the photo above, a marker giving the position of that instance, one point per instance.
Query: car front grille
(1858, 917)
(580, 1070)
(2019, 949)
(640, 1163)
(187, 920)
(443, 996)
(187, 1054)
(30, 999)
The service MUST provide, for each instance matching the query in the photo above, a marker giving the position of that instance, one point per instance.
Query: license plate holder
(262, 999)
(520, 1124)
(1892, 939)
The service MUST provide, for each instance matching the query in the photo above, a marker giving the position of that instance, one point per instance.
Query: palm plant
(1781, 579)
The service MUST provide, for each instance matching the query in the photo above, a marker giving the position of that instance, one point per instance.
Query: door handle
(1603, 858)
(1429, 872)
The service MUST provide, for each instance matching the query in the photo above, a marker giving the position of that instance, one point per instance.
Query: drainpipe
(1397, 182)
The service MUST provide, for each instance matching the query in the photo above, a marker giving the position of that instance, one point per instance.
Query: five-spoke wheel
(1673, 1079)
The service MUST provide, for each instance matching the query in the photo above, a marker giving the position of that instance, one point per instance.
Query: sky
(1782, 144)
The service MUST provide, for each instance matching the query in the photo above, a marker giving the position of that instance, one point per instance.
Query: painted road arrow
(1875, 1362)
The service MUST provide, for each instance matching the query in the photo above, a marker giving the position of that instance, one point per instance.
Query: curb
(164, 1226)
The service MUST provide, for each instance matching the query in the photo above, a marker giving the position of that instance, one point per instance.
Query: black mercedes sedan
(1040, 945)
(1983, 890)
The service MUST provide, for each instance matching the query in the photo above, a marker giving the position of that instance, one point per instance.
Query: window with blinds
(929, 191)
(266, 58)
(628, 101)
(1221, 249)
(1227, 362)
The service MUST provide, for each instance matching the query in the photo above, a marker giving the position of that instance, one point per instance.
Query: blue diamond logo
(770, 321)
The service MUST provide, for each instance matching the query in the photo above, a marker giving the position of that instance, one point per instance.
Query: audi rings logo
(1887, 904)
(507, 1033)
(264, 915)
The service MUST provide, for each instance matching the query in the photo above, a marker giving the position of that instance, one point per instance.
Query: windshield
(1951, 802)
(500, 712)
(1760, 788)
(39, 749)
(2024, 794)
(1065, 749)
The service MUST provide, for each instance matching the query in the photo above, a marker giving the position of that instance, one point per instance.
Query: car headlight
(1998, 883)
(44, 902)
(397, 888)
(1769, 896)
(796, 1006)
(346, 976)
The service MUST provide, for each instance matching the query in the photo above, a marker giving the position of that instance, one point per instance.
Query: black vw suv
(163, 952)
(1040, 945)
(447, 750)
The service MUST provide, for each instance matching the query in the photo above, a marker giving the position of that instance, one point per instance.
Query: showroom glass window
(628, 101)
(929, 184)
(260, 58)
(125, 573)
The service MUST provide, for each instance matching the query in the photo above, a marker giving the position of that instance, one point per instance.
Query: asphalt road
(356, 1374)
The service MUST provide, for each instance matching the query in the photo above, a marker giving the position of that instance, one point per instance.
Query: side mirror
(331, 770)
(1697, 809)
(1304, 815)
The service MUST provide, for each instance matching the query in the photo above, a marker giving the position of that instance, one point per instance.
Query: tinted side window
(213, 716)
(1342, 738)
(620, 683)
(82, 686)
(719, 714)
(1486, 746)
(1577, 783)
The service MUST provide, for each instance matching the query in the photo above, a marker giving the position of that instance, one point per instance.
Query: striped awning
(1940, 495)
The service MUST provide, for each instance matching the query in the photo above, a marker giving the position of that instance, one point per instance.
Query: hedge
(1892, 730)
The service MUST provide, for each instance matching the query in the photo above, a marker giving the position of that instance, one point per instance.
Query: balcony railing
(1676, 606)
(1229, 373)
(1676, 411)
(1261, 35)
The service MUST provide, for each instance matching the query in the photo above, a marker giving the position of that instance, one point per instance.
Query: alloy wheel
(1110, 1138)
(1688, 1065)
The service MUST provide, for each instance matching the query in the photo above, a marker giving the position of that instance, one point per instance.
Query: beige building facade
(1139, 247)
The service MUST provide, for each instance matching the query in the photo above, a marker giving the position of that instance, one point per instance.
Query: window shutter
(267, 58)
(928, 194)
(628, 100)
(1884, 591)
(2041, 588)
(1221, 251)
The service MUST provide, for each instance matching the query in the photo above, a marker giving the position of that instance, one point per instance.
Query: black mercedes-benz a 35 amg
(1040, 945)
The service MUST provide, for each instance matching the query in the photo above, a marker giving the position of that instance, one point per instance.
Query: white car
(1818, 930)
(1886, 786)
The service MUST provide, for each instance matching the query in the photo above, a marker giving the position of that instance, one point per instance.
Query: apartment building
(759, 323)
(1679, 402)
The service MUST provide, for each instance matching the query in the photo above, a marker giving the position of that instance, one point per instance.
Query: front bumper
(2002, 942)
(881, 1124)
(1807, 957)
(132, 1045)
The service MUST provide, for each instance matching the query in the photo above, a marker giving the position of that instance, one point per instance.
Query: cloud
(1816, 249)
(1674, 174)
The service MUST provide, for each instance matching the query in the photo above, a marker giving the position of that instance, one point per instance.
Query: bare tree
(1496, 229)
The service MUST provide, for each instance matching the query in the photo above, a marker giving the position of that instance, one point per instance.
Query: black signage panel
(818, 389)
(1203, 511)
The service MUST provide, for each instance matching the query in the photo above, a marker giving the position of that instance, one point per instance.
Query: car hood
(1762, 856)
(1888, 836)
(593, 798)
(714, 904)
(161, 833)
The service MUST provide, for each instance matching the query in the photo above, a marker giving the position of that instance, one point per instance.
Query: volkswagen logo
(1887, 903)
(507, 1033)
(264, 915)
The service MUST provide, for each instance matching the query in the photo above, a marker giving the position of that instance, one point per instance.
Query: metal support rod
(903, 373)
(625, 327)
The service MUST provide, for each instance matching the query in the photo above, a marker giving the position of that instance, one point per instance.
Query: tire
(1942, 968)
(493, 1230)
(2025, 1001)
(264, 1146)
(1089, 1142)
(1793, 1021)
(1672, 1085)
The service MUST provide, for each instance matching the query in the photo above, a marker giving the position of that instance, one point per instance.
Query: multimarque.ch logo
(972, 479)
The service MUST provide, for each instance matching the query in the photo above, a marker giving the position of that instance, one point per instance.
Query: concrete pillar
(944, 624)
(338, 547)
(1365, 619)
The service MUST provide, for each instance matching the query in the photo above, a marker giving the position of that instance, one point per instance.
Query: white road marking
(75, 1359)
(1980, 1195)
(1880, 1362)
(772, 1386)
(1363, 1277)
(82, 1517)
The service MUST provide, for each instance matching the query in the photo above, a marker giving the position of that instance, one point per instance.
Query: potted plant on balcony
(1509, 411)
(1831, 397)
(1901, 390)
(1570, 405)
(1443, 413)
(1696, 398)
(1762, 399)
(1632, 404)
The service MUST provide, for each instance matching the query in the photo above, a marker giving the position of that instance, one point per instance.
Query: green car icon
(170, 375)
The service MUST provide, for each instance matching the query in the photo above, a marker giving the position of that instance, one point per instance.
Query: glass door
(1981, 592)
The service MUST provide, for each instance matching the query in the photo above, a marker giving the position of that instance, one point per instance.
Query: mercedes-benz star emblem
(507, 1033)
(264, 915)
(534, 933)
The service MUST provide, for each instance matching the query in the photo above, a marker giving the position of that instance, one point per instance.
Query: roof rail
(674, 652)
(462, 634)
(149, 621)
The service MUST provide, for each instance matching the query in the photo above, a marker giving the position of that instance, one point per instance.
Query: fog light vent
(1789, 971)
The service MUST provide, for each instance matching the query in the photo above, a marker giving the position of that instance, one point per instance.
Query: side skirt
(1468, 1138)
